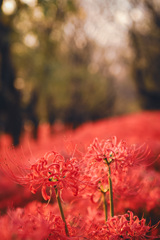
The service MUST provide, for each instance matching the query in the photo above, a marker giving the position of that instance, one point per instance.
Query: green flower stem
(110, 192)
(61, 210)
(104, 204)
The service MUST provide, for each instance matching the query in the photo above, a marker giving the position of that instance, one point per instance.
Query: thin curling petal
(44, 193)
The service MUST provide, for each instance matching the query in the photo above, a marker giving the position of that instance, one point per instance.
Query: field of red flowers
(100, 181)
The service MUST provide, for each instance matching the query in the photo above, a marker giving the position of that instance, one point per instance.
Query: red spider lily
(120, 154)
(120, 158)
(109, 156)
(52, 170)
(35, 221)
(125, 226)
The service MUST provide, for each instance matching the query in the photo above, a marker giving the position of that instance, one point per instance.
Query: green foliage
(51, 66)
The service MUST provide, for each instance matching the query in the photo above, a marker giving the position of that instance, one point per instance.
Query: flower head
(51, 170)
(120, 158)
(111, 151)
(125, 226)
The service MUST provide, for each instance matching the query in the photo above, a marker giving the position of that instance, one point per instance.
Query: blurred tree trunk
(10, 112)
(146, 63)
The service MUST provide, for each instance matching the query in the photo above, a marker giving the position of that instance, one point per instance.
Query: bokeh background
(70, 71)
(73, 61)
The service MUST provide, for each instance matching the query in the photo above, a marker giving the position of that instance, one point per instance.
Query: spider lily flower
(51, 170)
(111, 151)
(125, 226)
(108, 165)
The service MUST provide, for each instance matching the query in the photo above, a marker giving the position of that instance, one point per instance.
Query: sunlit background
(74, 61)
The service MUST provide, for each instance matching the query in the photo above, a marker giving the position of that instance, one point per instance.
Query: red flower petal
(44, 193)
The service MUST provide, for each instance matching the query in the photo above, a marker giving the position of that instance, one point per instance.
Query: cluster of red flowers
(125, 226)
(35, 221)
(91, 193)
